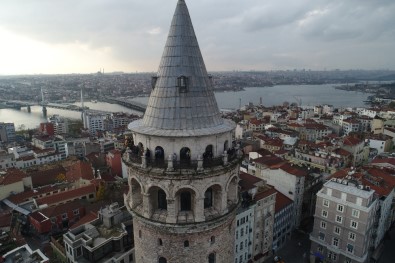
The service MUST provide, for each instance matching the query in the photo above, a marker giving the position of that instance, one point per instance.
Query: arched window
(160, 242)
(186, 243)
(159, 153)
(140, 148)
(208, 153)
(226, 145)
(185, 155)
(162, 260)
(185, 201)
(208, 198)
(162, 202)
(211, 258)
(139, 233)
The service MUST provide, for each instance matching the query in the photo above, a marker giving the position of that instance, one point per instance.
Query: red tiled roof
(270, 161)
(351, 141)
(265, 193)
(22, 197)
(342, 152)
(385, 160)
(67, 195)
(38, 216)
(294, 170)
(12, 176)
(5, 220)
(91, 216)
(63, 208)
(43, 177)
(282, 201)
(79, 170)
(248, 181)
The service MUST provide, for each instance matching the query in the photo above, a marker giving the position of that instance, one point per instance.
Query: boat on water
(94, 101)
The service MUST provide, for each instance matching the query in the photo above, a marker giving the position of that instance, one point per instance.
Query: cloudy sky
(82, 36)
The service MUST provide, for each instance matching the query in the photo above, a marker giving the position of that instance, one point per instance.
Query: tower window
(211, 258)
(186, 243)
(182, 84)
(162, 202)
(160, 242)
(208, 198)
(162, 260)
(153, 81)
(212, 239)
(185, 201)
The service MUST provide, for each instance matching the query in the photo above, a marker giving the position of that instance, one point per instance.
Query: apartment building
(107, 239)
(344, 222)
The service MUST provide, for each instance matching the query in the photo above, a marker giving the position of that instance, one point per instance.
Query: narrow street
(388, 255)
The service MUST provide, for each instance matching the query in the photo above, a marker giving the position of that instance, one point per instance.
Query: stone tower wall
(148, 248)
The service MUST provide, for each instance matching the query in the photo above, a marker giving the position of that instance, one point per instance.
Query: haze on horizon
(73, 36)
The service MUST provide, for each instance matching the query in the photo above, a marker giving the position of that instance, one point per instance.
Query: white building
(60, 124)
(7, 132)
(94, 121)
(287, 179)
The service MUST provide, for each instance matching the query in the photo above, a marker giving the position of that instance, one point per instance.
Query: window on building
(321, 236)
(162, 202)
(351, 236)
(186, 243)
(242, 232)
(162, 260)
(241, 245)
(211, 258)
(208, 198)
(355, 213)
(320, 248)
(350, 248)
(325, 203)
(339, 219)
(354, 224)
(324, 213)
(340, 208)
(335, 242)
(348, 260)
(212, 239)
(160, 242)
(182, 83)
(185, 199)
(337, 230)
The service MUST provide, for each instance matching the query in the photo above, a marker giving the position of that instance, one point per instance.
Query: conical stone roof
(176, 109)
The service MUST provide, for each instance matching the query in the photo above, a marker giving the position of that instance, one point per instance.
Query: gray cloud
(233, 34)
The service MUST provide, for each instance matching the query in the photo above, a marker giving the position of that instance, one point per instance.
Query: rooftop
(26, 255)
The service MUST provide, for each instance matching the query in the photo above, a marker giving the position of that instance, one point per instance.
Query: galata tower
(182, 165)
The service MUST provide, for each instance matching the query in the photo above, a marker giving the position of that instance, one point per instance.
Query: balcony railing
(206, 163)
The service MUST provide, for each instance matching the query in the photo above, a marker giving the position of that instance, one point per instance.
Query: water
(310, 95)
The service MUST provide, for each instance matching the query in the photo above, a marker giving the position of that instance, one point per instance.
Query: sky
(84, 36)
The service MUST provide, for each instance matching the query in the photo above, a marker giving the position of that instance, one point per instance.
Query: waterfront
(310, 95)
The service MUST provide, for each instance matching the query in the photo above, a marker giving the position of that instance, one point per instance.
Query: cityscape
(189, 165)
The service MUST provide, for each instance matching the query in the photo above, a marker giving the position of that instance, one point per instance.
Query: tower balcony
(187, 165)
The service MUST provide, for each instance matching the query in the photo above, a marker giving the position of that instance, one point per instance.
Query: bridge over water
(126, 103)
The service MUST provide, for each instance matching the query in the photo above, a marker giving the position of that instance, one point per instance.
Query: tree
(100, 192)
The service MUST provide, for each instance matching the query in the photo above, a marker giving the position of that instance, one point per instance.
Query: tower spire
(182, 96)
